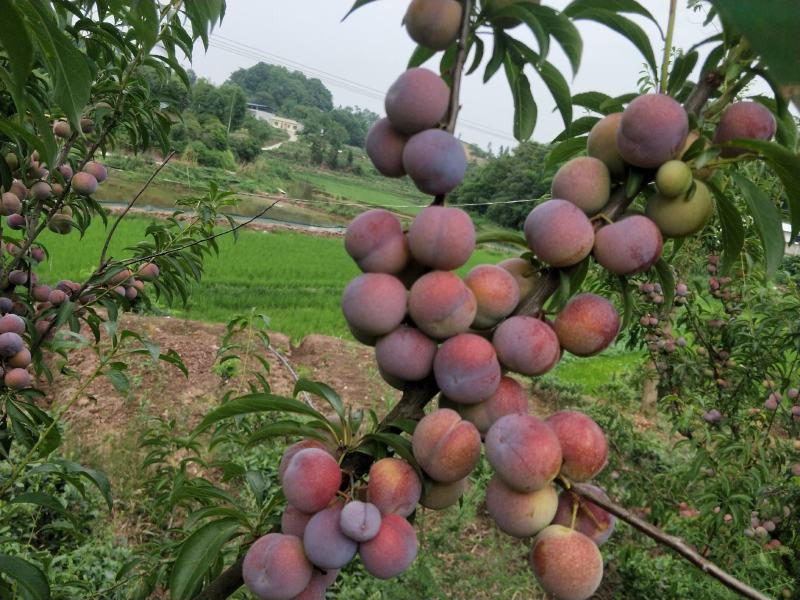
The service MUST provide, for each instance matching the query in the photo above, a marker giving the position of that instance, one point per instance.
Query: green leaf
(173, 358)
(399, 444)
(144, 21)
(619, 6)
(66, 65)
(119, 380)
(732, 228)
(563, 30)
(667, 279)
(41, 499)
(624, 27)
(767, 219)
(254, 403)
(786, 165)
(324, 391)
(597, 102)
(553, 79)
(498, 56)
(772, 33)
(681, 69)
(284, 428)
(480, 47)
(358, 4)
(420, 55)
(196, 556)
(524, 105)
(31, 581)
(564, 151)
(18, 46)
(97, 478)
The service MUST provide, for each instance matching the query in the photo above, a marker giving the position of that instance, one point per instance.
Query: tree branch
(671, 542)
(130, 205)
(458, 73)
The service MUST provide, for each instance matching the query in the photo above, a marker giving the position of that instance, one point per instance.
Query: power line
(253, 53)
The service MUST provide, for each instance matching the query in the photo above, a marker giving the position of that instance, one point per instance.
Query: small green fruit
(673, 179)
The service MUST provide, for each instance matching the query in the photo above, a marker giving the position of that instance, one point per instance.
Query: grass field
(295, 279)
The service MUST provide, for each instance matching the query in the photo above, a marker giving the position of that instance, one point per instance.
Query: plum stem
(673, 6)
(458, 73)
(130, 206)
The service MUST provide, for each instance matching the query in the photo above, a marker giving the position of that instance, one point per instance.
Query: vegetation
(280, 492)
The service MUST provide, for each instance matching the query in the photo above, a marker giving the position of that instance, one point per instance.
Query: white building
(290, 126)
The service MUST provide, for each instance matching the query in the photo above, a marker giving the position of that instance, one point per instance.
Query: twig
(458, 68)
(672, 542)
(138, 259)
(458, 72)
(662, 84)
(130, 205)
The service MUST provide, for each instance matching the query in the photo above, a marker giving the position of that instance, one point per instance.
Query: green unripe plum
(495, 6)
(674, 178)
(12, 161)
(434, 23)
(682, 216)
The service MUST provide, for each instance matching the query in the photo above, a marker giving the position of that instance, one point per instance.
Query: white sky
(370, 49)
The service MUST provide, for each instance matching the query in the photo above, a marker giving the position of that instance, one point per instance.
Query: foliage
(512, 176)
(282, 91)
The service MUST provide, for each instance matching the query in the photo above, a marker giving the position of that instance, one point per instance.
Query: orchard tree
(77, 80)
(661, 165)
(656, 167)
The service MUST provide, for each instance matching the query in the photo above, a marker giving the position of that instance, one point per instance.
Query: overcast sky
(359, 58)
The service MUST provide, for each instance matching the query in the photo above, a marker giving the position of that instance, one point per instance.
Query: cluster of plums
(35, 183)
(765, 529)
(322, 529)
(471, 317)
(408, 141)
(16, 312)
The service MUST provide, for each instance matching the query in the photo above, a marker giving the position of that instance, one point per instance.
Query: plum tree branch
(662, 84)
(458, 73)
(130, 205)
(669, 541)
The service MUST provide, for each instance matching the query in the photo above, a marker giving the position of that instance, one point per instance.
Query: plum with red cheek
(629, 246)
(374, 303)
(587, 325)
(652, 130)
(583, 444)
(445, 446)
(394, 486)
(566, 563)
(524, 451)
(416, 101)
(466, 369)
(376, 242)
(441, 237)
(496, 292)
(526, 345)
(559, 233)
(276, 568)
(392, 551)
